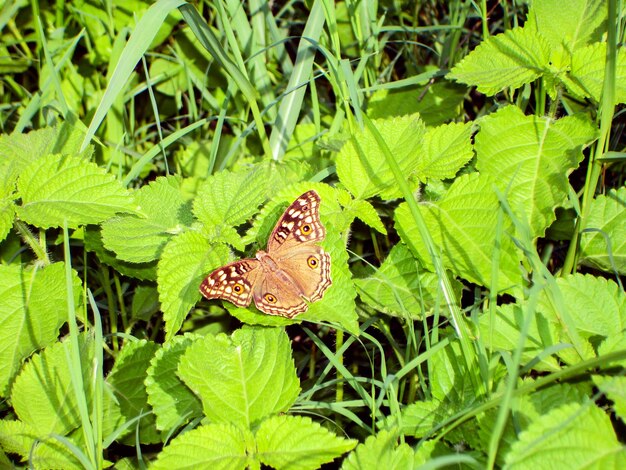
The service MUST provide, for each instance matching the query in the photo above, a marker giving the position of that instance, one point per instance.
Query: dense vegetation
(468, 156)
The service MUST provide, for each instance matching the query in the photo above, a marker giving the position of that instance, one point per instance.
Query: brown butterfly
(292, 269)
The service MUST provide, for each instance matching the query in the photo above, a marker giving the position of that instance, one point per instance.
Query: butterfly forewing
(233, 282)
(300, 223)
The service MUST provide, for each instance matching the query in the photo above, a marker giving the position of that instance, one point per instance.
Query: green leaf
(577, 435)
(436, 102)
(297, 442)
(215, 446)
(595, 305)
(603, 243)
(586, 77)
(512, 59)
(171, 400)
(230, 199)
(186, 260)
(464, 224)
(362, 167)
(243, 378)
(615, 390)
(401, 287)
(40, 450)
(502, 330)
(162, 211)
(93, 243)
(445, 150)
(57, 188)
(127, 380)
(420, 417)
(33, 306)
(43, 395)
(525, 410)
(380, 451)
(17, 151)
(529, 158)
(7, 209)
(584, 22)
(366, 212)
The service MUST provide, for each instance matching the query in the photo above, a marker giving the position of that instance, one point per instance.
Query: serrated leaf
(162, 211)
(380, 451)
(463, 225)
(502, 331)
(32, 309)
(40, 450)
(7, 209)
(446, 149)
(420, 417)
(230, 199)
(366, 212)
(93, 243)
(242, 378)
(584, 22)
(215, 446)
(436, 103)
(298, 443)
(127, 380)
(510, 59)
(401, 287)
(606, 226)
(578, 435)
(525, 410)
(171, 400)
(529, 158)
(615, 390)
(43, 395)
(17, 151)
(361, 164)
(586, 76)
(595, 305)
(55, 188)
(186, 260)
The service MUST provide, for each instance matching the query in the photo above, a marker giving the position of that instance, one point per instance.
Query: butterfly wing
(234, 282)
(300, 223)
(276, 294)
(308, 267)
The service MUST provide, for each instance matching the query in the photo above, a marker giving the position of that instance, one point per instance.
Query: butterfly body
(292, 269)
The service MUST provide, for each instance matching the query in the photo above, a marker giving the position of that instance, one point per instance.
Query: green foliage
(472, 190)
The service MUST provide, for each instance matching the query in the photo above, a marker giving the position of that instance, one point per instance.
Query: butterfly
(293, 268)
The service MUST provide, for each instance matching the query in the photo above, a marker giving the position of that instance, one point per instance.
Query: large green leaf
(32, 309)
(400, 287)
(171, 400)
(361, 164)
(529, 158)
(127, 380)
(43, 395)
(216, 446)
(243, 378)
(55, 188)
(464, 225)
(603, 243)
(298, 443)
(186, 260)
(510, 59)
(380, 451)
(576, 435)
(162, 212)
